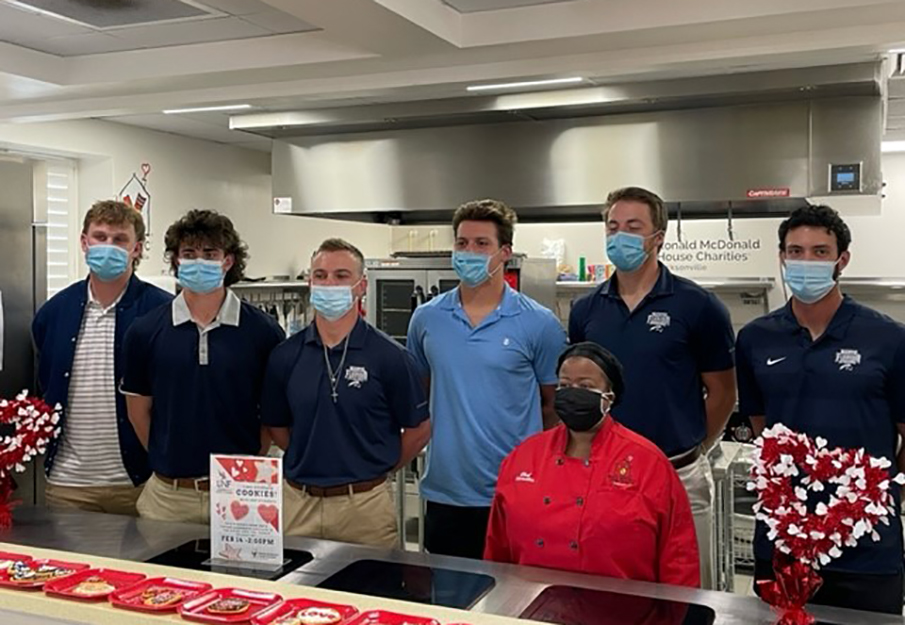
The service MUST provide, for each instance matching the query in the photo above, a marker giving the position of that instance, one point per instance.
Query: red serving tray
(7, 559)
(379, 617)
(65, 586)
(196, 609)
(35, 585)
(130, 598)
(293, 606)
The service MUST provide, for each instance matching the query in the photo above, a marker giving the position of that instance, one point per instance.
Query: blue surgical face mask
(332, 302)
(107, 262)
(200, 276)
(626, 251)
(473, 268)
(809, 280)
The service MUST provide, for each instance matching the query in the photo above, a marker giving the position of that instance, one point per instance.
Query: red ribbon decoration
(795, 585)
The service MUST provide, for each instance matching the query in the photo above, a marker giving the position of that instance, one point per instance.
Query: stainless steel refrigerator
(23, 287)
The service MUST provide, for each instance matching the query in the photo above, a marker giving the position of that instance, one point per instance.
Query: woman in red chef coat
(590, 495)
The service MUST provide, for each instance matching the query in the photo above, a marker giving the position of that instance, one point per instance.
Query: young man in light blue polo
(489, 354)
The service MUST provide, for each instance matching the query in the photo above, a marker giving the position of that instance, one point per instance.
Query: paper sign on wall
(282, 205)
(247, 509)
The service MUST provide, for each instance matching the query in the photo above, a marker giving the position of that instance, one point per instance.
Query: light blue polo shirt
(484, 395)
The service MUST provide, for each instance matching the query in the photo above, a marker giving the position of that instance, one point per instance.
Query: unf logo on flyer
(848, 359)
(658, 321)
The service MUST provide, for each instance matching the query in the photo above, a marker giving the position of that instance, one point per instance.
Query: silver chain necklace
(334, 376)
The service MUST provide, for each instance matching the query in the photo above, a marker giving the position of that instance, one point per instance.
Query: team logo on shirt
(658, 321)
(622, 473)
(524, 476)
(356, 376)
(848, 359)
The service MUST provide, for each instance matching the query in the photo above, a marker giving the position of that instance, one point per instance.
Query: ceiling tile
(238, 7)
(201, 31)
(476, 6)
(78, 45)
(106, 14)
(20, 23)
(279, 23)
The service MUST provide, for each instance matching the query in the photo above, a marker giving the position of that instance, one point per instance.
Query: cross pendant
(335, 395)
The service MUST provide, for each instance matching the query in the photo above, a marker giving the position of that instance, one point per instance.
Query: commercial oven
(398, 285)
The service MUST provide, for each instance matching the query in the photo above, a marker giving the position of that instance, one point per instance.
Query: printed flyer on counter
(247, 509)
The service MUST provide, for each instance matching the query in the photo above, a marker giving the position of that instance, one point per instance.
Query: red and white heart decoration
(789, 467)
(34, 424)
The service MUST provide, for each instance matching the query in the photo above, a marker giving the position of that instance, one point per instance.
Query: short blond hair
(659, 214)
(116, 213)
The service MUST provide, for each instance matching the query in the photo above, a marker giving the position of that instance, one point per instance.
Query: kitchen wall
(705, 249)
(189, 173)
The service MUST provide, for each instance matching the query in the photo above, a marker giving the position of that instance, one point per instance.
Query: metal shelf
(287, 284)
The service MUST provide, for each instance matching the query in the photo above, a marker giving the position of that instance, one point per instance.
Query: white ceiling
(476, 6)
(304, 54)
(231, 20)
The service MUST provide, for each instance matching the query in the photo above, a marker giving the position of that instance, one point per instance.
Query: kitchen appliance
(749, 144)
(23, 289)
(411, 582)
(398, 285)
(567, 605)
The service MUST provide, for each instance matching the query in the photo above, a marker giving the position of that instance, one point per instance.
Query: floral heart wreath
(861, 499)
(34, 425)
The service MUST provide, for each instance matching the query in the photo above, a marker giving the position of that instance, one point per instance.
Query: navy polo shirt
(675, 334)
(55, 331)
(359, 437)
(206, 384)
(847, 387)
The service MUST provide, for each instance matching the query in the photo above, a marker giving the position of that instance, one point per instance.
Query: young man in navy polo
(675, 341)
(97, 463)
(828, 366)
(345, 402)
(489, 354)
(194, 369)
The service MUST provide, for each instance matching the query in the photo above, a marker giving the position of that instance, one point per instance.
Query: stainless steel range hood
(753, 144)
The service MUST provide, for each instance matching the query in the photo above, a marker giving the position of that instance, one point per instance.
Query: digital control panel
(845, 178)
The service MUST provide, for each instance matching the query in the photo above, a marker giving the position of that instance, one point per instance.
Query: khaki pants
(162, 502)
(698, 481)
(108, 499)
(364, 518)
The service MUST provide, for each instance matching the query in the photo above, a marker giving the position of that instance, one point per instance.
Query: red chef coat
(622, 513)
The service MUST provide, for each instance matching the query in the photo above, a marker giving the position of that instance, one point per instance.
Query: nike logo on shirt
(773, 361)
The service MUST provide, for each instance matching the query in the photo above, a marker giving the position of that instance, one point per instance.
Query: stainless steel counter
(136, 539)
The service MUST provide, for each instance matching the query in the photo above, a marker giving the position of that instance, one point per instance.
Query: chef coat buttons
(546, 501)
(573, 545)
(66, 375)
(73, 339)
(580, 501)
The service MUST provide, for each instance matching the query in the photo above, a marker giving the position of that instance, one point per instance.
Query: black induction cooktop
(410, 582)
(195, 554)
(579, 606)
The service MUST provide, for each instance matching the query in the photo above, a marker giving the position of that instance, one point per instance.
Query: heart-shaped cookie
(270, 514)
(791, 468)
(239, 510)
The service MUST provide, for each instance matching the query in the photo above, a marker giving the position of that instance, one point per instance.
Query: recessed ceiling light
(526, 83)
(205, 109)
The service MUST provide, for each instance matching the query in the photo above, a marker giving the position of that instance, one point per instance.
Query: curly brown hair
(207, 228)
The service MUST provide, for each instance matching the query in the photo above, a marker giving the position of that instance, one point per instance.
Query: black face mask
(578, 408)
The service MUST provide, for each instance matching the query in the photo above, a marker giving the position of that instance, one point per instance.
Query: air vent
(103, 14)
